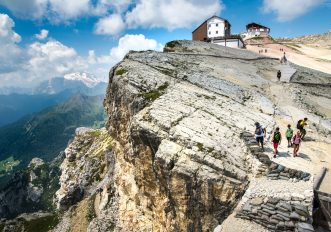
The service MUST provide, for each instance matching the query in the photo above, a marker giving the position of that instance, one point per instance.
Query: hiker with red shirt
(296, 143)
(277, 138)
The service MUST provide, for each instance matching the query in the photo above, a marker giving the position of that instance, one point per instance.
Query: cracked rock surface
(177, 117)
(178, 159)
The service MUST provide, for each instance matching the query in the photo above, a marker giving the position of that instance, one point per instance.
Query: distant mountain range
(46, 133)
(16, 105)
(81, 82)
(76, 82)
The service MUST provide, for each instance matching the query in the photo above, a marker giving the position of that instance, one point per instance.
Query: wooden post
(319, 178)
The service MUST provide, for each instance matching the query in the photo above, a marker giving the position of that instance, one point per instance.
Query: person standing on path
(296, 143)
(289, 135)
(259, 134)
(301, 124)
(279, 75)
(276, 140)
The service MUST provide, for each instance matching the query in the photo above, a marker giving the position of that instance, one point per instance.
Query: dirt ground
(310, 57)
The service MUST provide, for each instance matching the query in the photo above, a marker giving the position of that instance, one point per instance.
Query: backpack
(259, 130)
(299, 124)
(277, 136)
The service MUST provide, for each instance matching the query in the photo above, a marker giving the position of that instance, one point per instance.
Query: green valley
(46, 133)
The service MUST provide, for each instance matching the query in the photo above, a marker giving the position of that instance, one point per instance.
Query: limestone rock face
(180, 164)
(83, 167)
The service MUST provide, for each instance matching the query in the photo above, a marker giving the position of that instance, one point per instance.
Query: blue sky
(85, 35)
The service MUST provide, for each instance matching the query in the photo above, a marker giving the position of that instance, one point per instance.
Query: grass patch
(163, 87)
(95, 134)
(172, 44)
(120, 72)
(200, 146)
(152, 95)
(156, 93)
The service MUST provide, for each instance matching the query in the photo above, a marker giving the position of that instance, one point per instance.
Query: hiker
(289, 135)
(300, 125)
(296, 143)
(265, 50)
(259, 134)
(276, 140)
(283, 60)
(279, 75)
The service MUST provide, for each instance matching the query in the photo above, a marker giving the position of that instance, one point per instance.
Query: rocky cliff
(179, 130)
(31, 189)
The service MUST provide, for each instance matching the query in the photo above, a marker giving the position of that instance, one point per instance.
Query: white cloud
(171, 14)
(132, 42)
(110, 25)
(42, 35)
(34, 9)
(289, 9)
(118, 6)
(51, 59)
(100, 65)
(54, 10)
(10, 53)
(58, 11)
(125, 44)
(117, 14)
(7, 35)
(92, 58)
(41, 61)
(63, 10)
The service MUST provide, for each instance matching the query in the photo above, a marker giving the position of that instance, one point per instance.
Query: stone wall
(279, 214)
(273, 170)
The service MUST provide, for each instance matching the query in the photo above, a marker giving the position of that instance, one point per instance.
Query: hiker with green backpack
(276, 140)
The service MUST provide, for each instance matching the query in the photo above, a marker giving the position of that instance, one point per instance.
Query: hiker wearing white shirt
(260, 131)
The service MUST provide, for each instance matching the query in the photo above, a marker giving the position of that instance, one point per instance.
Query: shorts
(259, 139)
(275, 145)
(303, 131)
(288, 138)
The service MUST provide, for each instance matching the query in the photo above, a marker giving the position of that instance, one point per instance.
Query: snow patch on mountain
(88, 79)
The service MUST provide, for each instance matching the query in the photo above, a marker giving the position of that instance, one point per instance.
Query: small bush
(155, 94)
(95, 134)
(200, 146)
(163, 87)
(120, 72)
(152, 95)
(172, 44)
